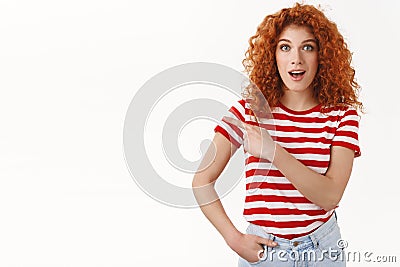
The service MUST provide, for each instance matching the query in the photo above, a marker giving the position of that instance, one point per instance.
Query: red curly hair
(334, 83)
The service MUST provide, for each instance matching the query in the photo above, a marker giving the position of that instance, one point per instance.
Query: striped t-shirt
(271, 200)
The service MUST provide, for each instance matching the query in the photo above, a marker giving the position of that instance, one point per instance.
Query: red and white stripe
(271, 200)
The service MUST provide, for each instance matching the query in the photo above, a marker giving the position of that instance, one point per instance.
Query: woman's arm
(323, 190)
(213, 163)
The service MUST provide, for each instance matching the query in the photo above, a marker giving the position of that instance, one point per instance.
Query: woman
(298, 125)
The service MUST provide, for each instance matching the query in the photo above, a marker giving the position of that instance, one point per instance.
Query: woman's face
(297, 57)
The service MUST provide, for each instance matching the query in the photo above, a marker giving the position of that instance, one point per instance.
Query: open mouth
(297, 74)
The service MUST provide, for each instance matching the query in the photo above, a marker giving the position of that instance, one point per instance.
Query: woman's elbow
(200, 180)
(329, 206)
(196, 182)
(331, 202)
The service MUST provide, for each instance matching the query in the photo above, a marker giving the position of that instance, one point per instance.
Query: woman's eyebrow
(305, 41)
(309, 40)
(284, 40)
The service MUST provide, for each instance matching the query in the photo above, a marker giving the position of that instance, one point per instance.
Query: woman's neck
(298, 101)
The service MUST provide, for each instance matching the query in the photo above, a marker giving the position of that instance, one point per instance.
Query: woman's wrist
(270, 150)
(233, 239)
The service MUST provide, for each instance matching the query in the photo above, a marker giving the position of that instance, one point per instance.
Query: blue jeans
(323, 247)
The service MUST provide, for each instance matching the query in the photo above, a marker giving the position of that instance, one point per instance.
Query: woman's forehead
(296, 31)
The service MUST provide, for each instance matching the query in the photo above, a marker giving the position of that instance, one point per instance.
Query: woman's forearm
(319, 189)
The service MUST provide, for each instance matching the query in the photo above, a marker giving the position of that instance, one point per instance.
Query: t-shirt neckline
(301, 112)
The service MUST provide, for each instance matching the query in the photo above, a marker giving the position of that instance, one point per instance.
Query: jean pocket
(330, 247)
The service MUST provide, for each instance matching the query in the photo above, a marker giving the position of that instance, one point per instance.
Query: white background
(68, 71)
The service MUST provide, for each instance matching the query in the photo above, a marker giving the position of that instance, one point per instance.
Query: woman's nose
(296, 60)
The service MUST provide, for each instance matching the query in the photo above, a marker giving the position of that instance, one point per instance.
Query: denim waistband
(307, 240)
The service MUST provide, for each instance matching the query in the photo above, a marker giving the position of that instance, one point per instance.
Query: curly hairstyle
(334, 83)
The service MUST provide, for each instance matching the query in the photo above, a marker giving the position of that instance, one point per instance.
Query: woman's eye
(285, 48)
(308, 48)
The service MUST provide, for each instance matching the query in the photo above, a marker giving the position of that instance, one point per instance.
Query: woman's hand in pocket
(250, 247)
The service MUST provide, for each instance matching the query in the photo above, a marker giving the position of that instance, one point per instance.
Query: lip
(297, 77)
(296, 70)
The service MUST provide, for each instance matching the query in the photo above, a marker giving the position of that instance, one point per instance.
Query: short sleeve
(347, 131)
(233, 133)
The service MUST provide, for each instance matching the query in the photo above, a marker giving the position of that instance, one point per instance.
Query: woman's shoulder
(340, 109)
